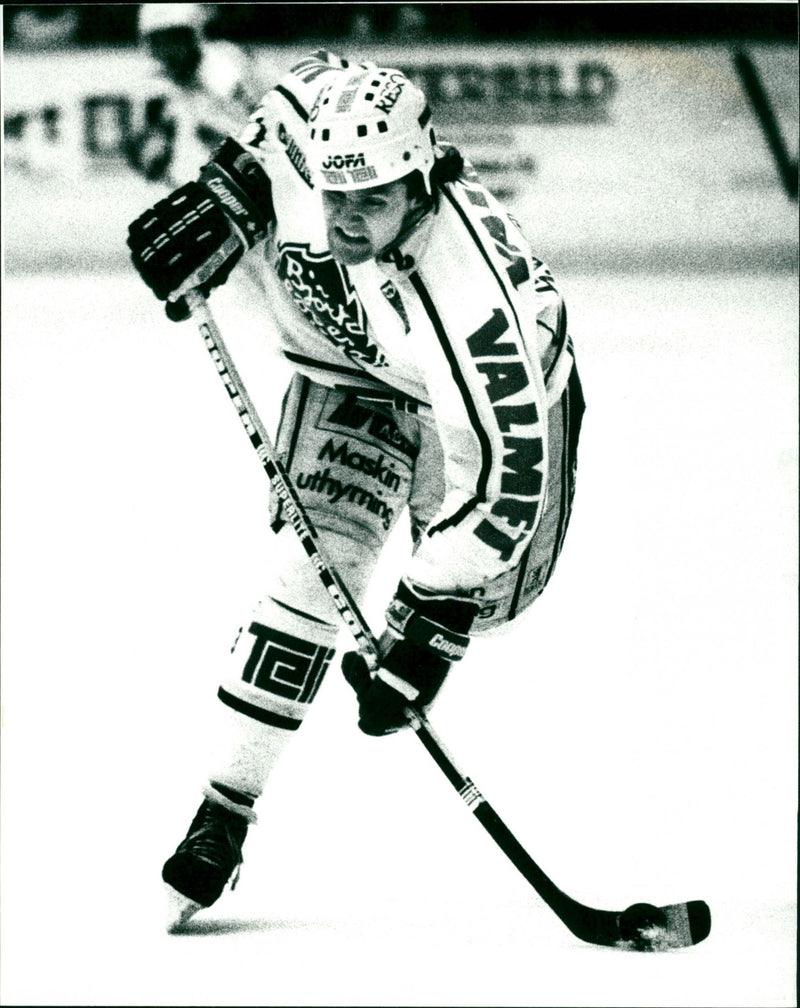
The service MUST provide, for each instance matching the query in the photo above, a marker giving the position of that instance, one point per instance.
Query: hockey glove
(199, 232)
(425, 634)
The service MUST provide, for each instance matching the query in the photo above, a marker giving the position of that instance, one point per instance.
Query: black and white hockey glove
(199, 232)
(425, 634)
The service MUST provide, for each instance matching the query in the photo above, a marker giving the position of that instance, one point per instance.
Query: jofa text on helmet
(344, 161)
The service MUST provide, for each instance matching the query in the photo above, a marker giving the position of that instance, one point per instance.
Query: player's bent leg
(277, 664)
(278, 661)
(352, 467)
(281, 655)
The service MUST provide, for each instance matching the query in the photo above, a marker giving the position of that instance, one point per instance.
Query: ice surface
(637, 733)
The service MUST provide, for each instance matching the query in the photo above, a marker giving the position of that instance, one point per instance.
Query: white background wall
(664, 167)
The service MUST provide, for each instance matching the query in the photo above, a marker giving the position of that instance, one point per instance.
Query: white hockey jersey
(460, 322)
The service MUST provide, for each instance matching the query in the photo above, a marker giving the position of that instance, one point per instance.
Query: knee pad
(278, 662)
(282, 653)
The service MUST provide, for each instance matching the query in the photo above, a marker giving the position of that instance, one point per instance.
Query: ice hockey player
(200, 92)
(433, 371)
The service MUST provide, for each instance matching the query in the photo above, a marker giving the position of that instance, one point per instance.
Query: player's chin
(348, 250)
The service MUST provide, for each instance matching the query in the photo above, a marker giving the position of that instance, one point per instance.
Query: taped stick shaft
(279, 478)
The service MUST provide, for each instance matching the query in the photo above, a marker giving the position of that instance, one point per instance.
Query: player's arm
(489, 394)
(492, 410)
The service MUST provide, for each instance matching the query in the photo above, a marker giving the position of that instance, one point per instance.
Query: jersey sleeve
(493, 321)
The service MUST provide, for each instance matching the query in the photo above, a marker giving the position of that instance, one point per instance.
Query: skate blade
(180, 909)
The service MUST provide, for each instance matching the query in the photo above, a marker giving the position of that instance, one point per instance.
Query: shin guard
(279, 658)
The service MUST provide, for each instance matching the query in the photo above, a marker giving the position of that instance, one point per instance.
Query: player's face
(363, 222)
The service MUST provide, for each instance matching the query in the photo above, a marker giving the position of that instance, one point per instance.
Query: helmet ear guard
(368, 128)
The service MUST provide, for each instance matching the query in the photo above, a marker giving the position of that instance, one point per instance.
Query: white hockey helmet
(155, 17)
(369, 127)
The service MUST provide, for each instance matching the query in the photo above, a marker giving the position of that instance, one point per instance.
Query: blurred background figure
(200, 91)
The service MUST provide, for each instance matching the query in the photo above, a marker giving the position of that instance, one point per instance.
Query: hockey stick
(642, 927)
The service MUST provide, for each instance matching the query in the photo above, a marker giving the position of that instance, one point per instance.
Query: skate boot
(204, 862)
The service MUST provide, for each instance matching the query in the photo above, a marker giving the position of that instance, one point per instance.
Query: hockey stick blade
(640, 928)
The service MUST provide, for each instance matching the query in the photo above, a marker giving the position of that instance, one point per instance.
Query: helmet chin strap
(414, 218)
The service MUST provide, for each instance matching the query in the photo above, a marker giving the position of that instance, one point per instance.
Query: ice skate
(204, 862)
